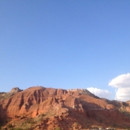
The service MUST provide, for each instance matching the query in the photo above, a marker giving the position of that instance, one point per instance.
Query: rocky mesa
(40, 108)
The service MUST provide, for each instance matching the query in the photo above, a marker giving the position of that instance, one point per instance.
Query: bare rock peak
(15, 90)
(81, 91)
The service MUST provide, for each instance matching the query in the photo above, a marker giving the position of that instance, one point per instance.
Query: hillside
(40, 108)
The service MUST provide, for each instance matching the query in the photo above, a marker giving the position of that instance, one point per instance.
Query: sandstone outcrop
(41, 108)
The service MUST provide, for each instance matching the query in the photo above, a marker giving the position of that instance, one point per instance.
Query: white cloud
(122, 83)
(123, 94)
(100, 92)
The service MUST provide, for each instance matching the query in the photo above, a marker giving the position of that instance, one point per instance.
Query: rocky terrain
(40, 108)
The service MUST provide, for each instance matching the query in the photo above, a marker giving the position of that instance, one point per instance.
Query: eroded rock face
(15, 90)
(49, 108)
(6, 95)
(3, 115)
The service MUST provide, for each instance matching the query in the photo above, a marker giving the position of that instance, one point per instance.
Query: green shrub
(17, 129)
(9, 126)
(57, 128)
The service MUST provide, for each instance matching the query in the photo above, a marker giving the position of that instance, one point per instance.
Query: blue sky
(63, 44)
